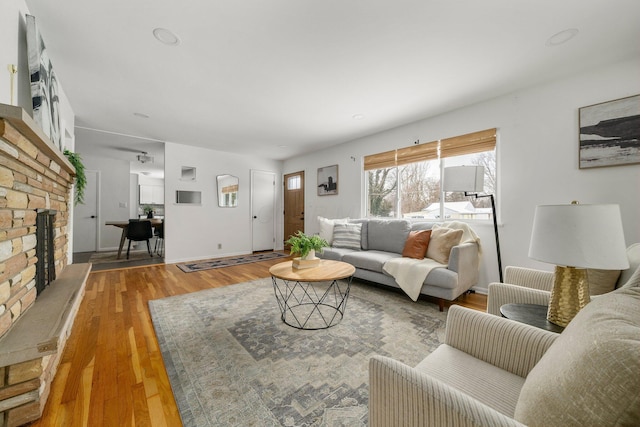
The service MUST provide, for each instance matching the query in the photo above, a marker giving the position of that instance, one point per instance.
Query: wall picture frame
(610, 133)
(328, 180)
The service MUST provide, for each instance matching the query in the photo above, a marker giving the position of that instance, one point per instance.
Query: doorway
(263, 196)
(85, 216)
(293, 204)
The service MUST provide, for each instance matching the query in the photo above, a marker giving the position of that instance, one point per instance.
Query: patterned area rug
(231, 361)
(190, 267)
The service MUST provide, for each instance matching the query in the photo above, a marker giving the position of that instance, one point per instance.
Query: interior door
(293, 203)
(263, 196)
(85, 217)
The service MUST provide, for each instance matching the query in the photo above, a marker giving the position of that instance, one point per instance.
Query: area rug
(190, 267)
(231, 361)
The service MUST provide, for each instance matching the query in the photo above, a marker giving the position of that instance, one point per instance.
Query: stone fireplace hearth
(35, 178)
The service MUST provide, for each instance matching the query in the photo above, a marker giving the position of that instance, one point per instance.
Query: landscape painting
(610, 133)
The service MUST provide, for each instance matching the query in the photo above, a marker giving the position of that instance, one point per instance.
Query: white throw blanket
(411, 273)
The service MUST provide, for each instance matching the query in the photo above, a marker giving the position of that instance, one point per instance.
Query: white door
(263, 196)
(85, 217)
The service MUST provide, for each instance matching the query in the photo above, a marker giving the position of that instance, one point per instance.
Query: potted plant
(81, 179)
(306, 246)
(148, 210)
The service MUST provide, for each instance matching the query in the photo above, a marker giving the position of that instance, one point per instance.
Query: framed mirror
(227, 191)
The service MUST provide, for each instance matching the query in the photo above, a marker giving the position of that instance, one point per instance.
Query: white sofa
(492, 371)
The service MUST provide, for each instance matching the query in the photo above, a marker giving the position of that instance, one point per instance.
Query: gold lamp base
(569, 295)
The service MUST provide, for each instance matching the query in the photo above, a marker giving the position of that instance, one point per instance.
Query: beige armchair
(492, 371)
(529, 286)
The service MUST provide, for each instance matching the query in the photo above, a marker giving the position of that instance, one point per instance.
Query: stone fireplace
(35, 199)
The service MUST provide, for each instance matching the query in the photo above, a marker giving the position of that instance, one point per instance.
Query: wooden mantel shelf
(24, 123)
(38, 331)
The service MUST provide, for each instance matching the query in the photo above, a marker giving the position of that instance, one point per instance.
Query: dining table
(125, 224)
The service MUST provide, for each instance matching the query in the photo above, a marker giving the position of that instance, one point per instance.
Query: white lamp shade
(582, 236)
(464, 178)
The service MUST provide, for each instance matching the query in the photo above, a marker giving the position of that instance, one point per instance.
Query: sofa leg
(441, 304)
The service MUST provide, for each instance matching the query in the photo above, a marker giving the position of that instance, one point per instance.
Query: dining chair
(159, 233)
(138, 231)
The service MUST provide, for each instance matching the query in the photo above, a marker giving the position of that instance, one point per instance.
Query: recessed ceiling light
(562, 37)
(141, 115)
(358, 117)
(165, 36)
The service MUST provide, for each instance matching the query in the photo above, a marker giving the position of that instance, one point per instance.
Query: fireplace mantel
(34, 175)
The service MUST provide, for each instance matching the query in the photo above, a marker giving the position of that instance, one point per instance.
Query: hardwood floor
(111, 372)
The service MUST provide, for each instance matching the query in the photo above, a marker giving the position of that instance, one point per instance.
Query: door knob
(255, 217)
(93, 216)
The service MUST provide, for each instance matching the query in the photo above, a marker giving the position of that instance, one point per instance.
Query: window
(405, 183)
(293, 182)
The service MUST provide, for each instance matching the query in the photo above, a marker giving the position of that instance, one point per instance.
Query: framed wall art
(328, 180)
(610, 133)
(44, 85)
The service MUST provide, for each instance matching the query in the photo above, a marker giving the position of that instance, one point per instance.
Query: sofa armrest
(504, 293)
(529, 278)
(402, 396)
(464, 260)
(507, 344)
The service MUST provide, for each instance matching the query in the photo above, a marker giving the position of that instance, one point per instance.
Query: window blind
(380, 160)
(470, 143)
(418, 153)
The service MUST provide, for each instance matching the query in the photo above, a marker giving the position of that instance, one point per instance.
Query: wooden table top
(327, 270)
(122, 224)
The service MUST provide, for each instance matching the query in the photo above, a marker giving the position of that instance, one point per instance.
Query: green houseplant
(303, 244)
(148, 210)
(81, 179)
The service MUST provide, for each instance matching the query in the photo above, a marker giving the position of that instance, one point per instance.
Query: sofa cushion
(416, 244)
(633, 254)
(388, 235)
(441, 242)
(589, 376)
(369, 260)
(326, 227)
(335, 254)
(483, 381)
(602, 281)
(347, 236)
(364, 232)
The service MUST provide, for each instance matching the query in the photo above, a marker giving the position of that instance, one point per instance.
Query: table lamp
(470, 179)
(576, 237)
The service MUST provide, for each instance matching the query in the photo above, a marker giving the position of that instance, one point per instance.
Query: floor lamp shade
(464, 178)
(576, 237)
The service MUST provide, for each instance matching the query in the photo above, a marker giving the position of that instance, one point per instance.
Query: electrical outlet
(219, 245)
(123, 204)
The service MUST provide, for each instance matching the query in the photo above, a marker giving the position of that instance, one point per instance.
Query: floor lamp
(470, 179)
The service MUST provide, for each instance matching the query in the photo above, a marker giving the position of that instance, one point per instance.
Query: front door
(293, 204)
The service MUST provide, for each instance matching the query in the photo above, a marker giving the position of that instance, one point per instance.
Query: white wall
(537, 160)
(13, 50)
(194, 232)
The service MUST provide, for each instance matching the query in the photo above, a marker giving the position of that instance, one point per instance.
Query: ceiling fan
(144, 158)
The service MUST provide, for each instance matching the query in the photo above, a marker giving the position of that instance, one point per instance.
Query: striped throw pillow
(347, 236)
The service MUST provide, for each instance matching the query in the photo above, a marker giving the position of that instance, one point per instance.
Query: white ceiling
(279, 78)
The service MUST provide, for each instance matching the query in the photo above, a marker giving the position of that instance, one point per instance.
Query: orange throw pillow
(417, 244)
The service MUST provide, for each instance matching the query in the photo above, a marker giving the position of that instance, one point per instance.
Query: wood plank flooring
(111, 372)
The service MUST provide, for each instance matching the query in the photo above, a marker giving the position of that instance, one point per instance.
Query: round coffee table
(312, 298)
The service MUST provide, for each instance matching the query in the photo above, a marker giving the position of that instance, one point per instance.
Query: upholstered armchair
(529, 286)
(492, 371)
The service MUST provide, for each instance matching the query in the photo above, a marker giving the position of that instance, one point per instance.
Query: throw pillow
(326, 227)
(589, 375)
(417, 243)
(602, 281)
(347, 236)
(441, 242)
